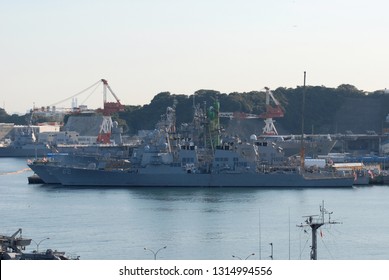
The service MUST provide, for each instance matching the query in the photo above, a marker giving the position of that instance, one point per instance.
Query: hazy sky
(52, 49)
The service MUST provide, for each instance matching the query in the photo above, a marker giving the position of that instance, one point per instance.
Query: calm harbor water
(194, 223)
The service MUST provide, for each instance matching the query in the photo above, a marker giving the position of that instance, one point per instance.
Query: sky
(52, 49)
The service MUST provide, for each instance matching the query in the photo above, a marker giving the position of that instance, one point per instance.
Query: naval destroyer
(167, 160)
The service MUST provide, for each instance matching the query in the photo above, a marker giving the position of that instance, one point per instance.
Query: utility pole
(315, 222)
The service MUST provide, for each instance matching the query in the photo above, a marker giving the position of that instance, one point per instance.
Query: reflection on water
(194, 223)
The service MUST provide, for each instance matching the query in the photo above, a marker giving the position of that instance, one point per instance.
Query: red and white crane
(110, 107)
(271, 112)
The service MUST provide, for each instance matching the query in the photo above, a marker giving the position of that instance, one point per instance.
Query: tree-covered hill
(14, 118)
(327, 110)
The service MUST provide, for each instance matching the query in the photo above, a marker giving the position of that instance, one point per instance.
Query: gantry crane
(271, 112)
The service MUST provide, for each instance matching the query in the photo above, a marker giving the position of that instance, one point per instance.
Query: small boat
(12, 248)
(35, 179)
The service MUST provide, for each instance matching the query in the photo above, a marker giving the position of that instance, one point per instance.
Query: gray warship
(168, 159)
(24, 144)
(87, 133)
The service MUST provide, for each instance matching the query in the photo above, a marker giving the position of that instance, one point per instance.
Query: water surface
(194, 223)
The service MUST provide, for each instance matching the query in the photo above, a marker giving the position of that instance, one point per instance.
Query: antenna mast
(302, 152)
(315, 222)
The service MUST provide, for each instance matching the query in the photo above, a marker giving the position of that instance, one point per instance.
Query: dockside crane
(271, 112)
(110, 107)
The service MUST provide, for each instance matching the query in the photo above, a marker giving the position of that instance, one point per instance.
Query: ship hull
(23, 152)
(87, 177)
(45, 173)
(29, 151)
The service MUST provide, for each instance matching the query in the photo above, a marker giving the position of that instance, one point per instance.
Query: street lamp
(156, 252)
(37, 244)
(271, 255)
(237, 257)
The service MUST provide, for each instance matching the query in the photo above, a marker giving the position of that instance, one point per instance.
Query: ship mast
(315, 222)
(302, 152)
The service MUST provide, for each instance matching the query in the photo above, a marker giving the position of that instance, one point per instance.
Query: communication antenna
(315, 222)
(302, 152)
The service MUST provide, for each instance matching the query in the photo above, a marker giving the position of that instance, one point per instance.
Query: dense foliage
(14, 118)
(326, 110)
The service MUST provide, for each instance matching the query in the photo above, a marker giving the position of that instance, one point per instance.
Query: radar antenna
(315, 222)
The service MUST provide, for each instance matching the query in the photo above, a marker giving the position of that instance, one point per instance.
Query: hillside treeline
(326, 110)
(14, 118)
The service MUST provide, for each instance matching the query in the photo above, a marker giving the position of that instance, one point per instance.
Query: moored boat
(232, 165)
(165, 159)
(13, 248)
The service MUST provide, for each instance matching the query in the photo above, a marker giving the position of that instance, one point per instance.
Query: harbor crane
(271, 112)
(110, 107)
